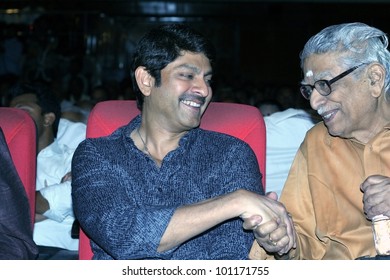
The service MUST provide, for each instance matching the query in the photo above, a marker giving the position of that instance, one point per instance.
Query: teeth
(320, 111)
(191, 103)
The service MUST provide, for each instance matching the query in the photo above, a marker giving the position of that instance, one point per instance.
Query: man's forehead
(309, 73)
(196, 62)
(318, 66)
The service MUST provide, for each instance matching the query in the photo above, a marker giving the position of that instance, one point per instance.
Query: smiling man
(162, 188)
(339, 179)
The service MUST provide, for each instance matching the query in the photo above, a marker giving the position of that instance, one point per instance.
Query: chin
(338, 134)
(333, 132)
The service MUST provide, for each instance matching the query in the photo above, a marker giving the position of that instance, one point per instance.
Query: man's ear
(144, 80)
(48, 119)
(376, 76)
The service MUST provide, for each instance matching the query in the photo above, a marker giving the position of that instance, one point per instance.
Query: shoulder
(108, 142)
(222, 142)
(209, 135)
(318, 138)
(70, 133)
(318, 131)
(69, 127)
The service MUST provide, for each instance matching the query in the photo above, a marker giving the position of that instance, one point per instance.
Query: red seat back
(242, 121)
(20, 134)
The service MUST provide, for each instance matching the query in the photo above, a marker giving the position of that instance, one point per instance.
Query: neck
(154, 143)
(44, 140)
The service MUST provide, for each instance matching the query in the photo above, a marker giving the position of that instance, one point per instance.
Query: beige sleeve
(258, 253)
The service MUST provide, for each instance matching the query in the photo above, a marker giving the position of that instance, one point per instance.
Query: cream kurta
(322, 193)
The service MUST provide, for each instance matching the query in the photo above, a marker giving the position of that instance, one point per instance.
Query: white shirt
(285, 133)
(53, 163)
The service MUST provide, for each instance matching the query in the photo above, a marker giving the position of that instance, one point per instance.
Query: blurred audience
(268, 107)
(57, 140)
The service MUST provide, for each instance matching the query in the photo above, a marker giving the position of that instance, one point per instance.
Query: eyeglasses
(323, 86)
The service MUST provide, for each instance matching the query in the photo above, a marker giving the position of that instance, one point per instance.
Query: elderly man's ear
(376, 76)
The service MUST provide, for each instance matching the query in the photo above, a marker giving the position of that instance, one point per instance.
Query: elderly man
(339, 179)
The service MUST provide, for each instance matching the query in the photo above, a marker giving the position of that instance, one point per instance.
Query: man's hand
(41, 204)
(376, 196)
(67, 177)
(273, 227)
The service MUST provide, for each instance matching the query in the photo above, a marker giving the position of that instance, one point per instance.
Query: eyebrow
(193, 68)
(317, 77)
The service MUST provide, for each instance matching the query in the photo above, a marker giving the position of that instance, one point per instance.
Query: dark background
(258, 42)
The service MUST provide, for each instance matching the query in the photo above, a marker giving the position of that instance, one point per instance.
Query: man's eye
(209, 82)
(188, 76)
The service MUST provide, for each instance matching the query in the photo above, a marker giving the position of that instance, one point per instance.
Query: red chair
(20, 134)
(242, 121)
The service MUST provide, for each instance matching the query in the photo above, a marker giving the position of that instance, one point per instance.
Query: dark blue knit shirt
(124, 201)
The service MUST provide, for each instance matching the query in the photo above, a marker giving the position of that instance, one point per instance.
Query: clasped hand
(273, 227)
(376, 196)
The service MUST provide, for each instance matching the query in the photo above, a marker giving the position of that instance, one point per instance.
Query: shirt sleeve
(60, 201)
(241, 171)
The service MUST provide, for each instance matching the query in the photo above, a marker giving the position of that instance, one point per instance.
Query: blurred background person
(57, 139)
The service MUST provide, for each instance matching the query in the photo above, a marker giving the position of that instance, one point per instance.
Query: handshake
(271, 224)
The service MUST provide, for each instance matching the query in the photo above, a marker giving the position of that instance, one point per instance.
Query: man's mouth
(327, 116)
(191, 103)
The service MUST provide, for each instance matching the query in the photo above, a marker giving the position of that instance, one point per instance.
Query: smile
(191, 103)
(328, 115)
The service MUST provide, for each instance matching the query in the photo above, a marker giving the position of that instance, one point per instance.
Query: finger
(279, 232)
(272, 195)
(284, 241)
(282, 244)
(268, 245)
(263, 230)
(374, 180)
(67, 177)
(273, 246)
(252, 222)
(291, 231)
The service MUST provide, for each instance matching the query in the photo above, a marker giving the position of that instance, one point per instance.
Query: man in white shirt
(57, 141)
(54, 184)
(285, 132)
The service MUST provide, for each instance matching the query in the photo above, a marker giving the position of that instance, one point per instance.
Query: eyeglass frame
(328, 83)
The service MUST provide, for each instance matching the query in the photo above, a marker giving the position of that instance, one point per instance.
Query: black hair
(47, 100)
(164, 44)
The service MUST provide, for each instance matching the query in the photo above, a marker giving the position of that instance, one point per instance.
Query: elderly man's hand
(376, 196)
(275, 235)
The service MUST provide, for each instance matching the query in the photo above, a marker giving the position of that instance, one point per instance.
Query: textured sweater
(124, 201)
